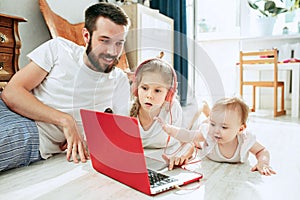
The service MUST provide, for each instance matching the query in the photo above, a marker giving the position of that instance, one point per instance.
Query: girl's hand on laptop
(181, 156)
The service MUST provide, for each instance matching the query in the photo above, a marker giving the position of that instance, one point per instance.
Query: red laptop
(116, 150)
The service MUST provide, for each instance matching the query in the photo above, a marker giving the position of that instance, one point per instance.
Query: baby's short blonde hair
(233, 103)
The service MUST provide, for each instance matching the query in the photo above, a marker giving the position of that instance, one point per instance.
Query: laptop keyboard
(158, 179)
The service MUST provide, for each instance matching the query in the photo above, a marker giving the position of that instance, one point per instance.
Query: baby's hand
(263, 169)
(169, 129)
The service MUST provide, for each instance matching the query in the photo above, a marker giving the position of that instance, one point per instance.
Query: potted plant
(296, 5)
(295, 8)
(267, 8)
(267, 13)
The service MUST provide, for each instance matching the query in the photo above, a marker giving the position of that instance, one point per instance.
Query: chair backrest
(259, 57)
(59, 26)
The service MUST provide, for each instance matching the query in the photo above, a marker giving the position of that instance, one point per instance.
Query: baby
(225, 136)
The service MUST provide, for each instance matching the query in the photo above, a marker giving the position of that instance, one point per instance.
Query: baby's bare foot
(205, 108)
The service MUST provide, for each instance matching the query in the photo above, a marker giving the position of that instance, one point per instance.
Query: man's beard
(93, 58)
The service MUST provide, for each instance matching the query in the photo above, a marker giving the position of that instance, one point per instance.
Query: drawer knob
(3, 38)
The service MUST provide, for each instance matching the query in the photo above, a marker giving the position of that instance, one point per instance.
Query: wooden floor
(58, 179)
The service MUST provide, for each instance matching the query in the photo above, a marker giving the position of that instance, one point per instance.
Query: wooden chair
(259, 58)
(59, 26)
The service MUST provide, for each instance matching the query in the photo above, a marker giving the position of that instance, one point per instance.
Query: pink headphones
(171, 91)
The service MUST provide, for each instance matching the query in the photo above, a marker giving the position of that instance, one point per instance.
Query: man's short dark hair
(106, 10)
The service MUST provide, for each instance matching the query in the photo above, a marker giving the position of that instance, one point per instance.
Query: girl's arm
(263, 160)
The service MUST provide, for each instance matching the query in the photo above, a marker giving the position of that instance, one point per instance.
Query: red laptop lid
(116, 148)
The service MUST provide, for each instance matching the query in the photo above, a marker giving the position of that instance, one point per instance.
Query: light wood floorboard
(58, 179)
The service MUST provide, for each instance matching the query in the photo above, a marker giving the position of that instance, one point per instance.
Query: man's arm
(18, 97)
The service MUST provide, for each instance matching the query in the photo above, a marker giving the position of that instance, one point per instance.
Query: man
(62, 78)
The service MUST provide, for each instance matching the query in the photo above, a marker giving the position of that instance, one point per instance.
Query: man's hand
(75, 143)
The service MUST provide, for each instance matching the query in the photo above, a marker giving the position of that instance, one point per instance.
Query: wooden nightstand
(10, 45)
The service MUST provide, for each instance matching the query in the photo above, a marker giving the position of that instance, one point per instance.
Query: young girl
(154, 88)
(227, 139)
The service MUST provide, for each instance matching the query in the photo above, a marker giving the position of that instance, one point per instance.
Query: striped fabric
(19, 139)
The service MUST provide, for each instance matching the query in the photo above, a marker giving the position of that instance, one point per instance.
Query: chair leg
(241, 89)
(282, 98)
(281, 111)
(253, 98)
(275, 101)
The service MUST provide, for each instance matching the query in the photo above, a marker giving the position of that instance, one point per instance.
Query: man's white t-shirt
(71, 86)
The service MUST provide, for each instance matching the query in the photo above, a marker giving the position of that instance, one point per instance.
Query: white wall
(34, 31)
